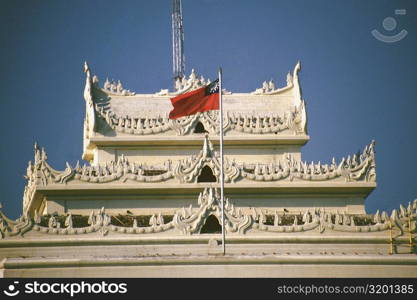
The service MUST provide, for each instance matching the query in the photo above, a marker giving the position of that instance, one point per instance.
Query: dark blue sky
(356, 87)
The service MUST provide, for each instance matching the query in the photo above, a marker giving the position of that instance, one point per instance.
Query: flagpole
(221, 161)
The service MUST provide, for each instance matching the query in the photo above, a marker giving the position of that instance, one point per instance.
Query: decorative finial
(206, 146)
(289, 79)
(86, 68)
(297, 67)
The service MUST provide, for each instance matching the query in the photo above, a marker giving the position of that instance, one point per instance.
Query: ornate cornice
(358, 168)
(256, 123)
(361, 167)
(189, 221)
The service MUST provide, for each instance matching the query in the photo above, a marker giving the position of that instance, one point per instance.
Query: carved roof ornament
(87, 69)
(188, 169)
(210, 204)
(88, 83)
(184, 85)
(90, 120)
(116, 88)
(208, 150)
(268, 87)
(193, 82)
(110, 87)
(289, 79)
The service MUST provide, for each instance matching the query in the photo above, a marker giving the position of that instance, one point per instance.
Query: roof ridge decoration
(359, 167)
(184, 85)
(268, 87)
(116, 88)
(188, 221)
(90, 119)
(110, 87)
(194, 81)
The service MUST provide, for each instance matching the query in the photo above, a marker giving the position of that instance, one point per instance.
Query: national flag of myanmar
(200, 100)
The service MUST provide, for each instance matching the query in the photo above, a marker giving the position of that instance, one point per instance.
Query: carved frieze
(189, 169)
(359, 167)
(189, 221)
(209, 202)
(239, 122)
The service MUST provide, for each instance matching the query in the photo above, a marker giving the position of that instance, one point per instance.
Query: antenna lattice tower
(178, 60)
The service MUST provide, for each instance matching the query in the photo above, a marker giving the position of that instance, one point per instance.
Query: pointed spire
(207, 147)
(190, 210)
(394, 215)
(409, 209)
(160, 219)
(271, 85)
(297, 67)
(276, 219)
(153, 221)
(306, 217)
(254, 214)
(377, 217)
(68, 221)
(295, 220)
(384, 216)
(403, 212)
(91, 218)
(193, 75)
(86, 69)
(289, 79)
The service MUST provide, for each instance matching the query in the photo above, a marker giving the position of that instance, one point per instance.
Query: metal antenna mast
(178, 60)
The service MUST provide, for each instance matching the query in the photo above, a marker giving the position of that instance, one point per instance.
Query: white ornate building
(147, 204)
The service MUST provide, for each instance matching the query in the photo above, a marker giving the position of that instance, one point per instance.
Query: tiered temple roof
(151, 183)
(267, 114)
(133, 147)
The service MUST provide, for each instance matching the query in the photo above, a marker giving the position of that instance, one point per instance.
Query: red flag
(200, 100)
